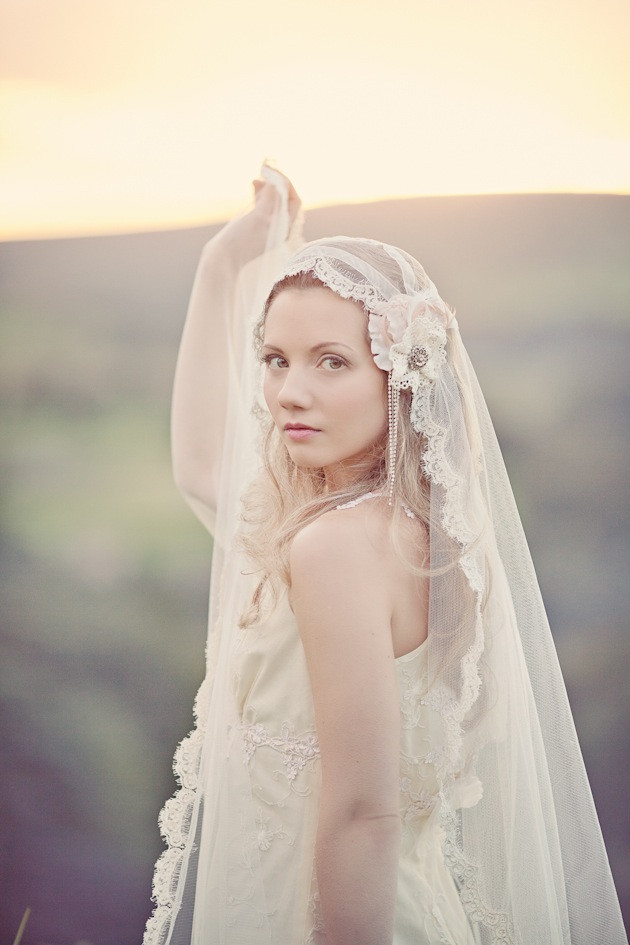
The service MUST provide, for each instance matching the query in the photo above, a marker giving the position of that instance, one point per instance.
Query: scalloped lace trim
(439, 469)
(466, 875)
(175, 821)
(343, 284)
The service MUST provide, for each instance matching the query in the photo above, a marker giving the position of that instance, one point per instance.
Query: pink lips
(297, 431)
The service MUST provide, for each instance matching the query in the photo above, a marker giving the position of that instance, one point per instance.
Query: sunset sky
(137, 114)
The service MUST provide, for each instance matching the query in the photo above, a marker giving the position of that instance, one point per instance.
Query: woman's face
(325, 394)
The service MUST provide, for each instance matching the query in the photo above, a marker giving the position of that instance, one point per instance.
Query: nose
(295, 390)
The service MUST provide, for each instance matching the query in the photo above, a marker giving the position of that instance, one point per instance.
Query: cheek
(378, 406)
(367, 402)
(269, 394)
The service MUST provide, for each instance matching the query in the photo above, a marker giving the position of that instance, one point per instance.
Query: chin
(301, 461)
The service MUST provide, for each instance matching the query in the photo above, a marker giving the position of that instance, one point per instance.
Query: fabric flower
(407, 333)
(380, 341)
(418, 357)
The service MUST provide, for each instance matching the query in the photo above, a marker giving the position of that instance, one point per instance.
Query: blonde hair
(284, 498)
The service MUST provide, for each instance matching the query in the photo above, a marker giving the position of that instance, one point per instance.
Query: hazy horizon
(218, 221)
(140, 114)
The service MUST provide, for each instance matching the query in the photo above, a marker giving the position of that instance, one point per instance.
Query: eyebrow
(324, 346)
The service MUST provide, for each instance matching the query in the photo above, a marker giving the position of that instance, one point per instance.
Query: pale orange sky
(134, 114)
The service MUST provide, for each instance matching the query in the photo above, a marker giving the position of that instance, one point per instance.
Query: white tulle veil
(519, 829)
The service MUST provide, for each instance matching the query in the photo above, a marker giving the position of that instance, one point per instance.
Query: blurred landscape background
(105, 572)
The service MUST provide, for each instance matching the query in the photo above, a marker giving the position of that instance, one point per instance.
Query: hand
(246, 236)
(265, 195)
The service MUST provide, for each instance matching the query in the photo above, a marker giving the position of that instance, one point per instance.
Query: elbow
(195, 468)
(200, 494)
(382, 831)
(190, 484)
(195, 472)
(377, 835)
(384, 824)
(380, 817)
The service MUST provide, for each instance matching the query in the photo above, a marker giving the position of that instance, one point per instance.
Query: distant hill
(485, 252)
(104, 571)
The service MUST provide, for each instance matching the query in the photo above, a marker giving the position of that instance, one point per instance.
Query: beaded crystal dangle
(393, 400)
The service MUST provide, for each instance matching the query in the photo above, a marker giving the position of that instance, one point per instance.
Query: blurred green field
(105, 571)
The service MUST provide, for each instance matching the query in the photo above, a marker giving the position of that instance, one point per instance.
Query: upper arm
(236, 271)
(199, 403)
(343, 609)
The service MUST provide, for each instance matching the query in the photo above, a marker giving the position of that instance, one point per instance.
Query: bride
(384, 751)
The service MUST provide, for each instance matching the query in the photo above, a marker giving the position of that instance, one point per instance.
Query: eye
(274, 361)
(332, 362)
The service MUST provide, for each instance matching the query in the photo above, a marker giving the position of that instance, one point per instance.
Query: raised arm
(344, 612)
(200, 388)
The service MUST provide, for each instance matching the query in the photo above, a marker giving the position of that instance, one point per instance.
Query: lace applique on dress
(266, 833)
(317, 928)
(421, 802)
(411, 701)
(296, 750)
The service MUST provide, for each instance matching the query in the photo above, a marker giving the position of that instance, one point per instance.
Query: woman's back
(277, 741)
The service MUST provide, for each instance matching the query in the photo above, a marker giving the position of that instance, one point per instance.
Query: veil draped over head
(518, 826)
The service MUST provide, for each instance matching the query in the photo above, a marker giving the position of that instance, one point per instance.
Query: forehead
(308, 313)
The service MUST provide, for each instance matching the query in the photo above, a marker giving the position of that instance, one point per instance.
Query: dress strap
(370, 495)
(362, 498)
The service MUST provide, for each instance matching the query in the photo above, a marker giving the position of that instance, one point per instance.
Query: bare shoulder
(354, 575)
(360, 541)
(351, 534)
(342, 604)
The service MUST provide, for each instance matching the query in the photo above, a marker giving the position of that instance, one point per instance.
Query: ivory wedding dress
(276, 740)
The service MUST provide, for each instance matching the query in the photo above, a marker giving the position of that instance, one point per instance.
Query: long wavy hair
(284, 498)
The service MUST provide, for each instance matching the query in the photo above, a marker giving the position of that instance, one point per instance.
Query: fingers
(258, 186)
(291, 191)
(294, 203)
(264, 196)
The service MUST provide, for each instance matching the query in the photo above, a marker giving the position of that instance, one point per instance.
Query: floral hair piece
(408, 340)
